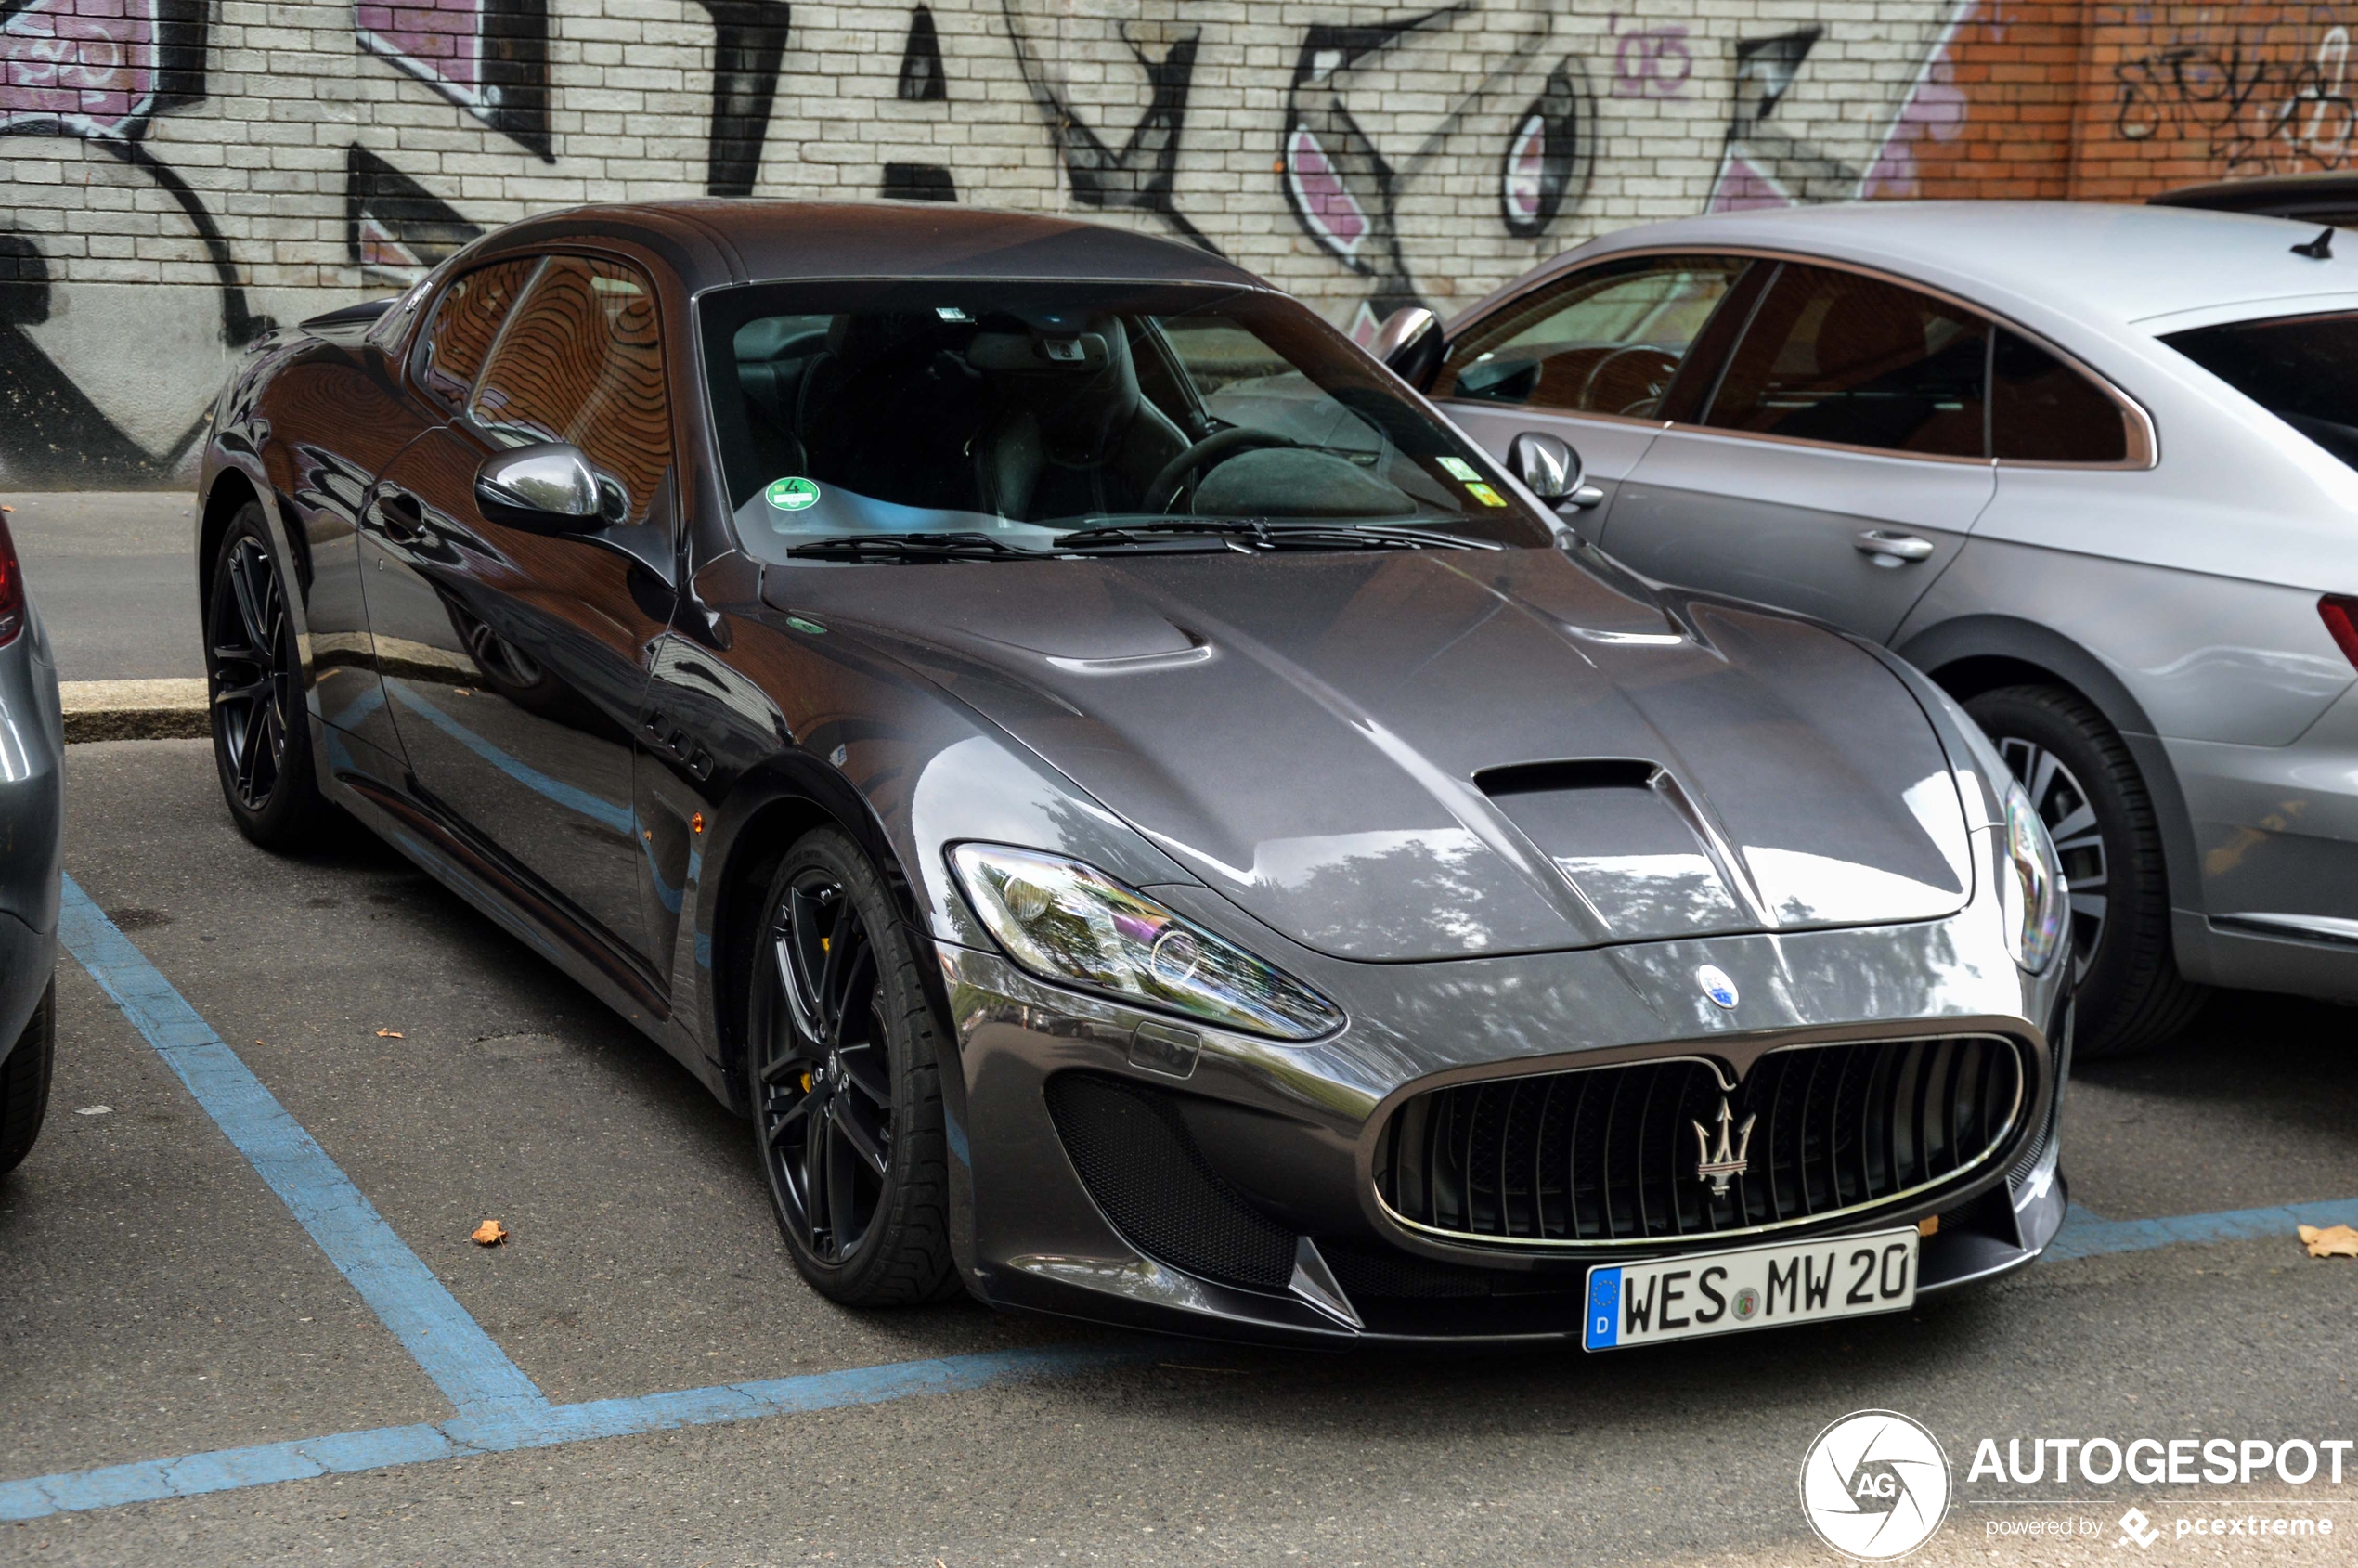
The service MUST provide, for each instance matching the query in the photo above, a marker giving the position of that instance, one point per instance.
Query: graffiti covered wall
(183, 174)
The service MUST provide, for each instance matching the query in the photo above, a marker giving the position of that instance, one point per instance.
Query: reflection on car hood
(1433, 754)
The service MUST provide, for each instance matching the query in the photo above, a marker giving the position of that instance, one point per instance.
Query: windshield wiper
(911, 547)
(1250, 534)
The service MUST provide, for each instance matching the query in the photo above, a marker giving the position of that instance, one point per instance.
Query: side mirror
(546, 488)
(1551, 470)
(1410, 344)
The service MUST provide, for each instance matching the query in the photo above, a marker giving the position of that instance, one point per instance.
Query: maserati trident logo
(1716, 985)
(1718, 1166)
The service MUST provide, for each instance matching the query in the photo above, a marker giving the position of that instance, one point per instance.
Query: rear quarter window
(2301, 368)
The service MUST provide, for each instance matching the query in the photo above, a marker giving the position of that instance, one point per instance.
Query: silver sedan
(2091, 467)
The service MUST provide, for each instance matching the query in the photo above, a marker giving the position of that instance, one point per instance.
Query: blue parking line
(403, 1292)
(226, 1470)
(2084, 1236)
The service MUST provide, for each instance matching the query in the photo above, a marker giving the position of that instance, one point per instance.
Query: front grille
(1136, 1158)
(1606, 1155)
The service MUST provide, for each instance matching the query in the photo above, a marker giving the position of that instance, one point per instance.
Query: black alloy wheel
(2085, 786)
(261, 731)
(847, 1106)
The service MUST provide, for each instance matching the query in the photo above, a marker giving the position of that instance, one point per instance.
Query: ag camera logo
(1874, 1485)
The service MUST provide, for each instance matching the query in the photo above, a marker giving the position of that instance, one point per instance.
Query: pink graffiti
(1934, 111)
(1327, 204)
(1651, 63)
(88, 66)
(1743, 184)
(439, 41)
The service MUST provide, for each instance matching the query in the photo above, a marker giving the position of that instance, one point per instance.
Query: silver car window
(1858, 361)
(1605, 341)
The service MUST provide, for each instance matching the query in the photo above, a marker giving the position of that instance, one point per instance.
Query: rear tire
(844, 1052)
(24, 1082)
(2086, 788)
(261, 722)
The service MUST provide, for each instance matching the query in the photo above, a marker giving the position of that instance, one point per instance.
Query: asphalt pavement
(158, 1299)
(114, 575)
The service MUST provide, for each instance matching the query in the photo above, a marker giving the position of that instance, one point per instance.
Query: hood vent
(1587, 772)
(1625, 836)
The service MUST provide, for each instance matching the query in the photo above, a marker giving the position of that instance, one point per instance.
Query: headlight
(1072, 923)
(2032, 887)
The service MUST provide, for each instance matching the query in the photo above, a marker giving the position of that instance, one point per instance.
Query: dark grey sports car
(1145, 820)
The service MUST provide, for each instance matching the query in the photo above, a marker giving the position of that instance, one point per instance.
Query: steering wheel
(1638, 370)
(1210, 452)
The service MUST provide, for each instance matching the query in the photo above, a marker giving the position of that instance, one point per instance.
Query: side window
(2042, 410)
(582, 363)
(1605, 341)
(1833, 355)
(465, 321)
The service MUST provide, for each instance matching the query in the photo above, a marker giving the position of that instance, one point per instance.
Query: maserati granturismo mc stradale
(1145, 820)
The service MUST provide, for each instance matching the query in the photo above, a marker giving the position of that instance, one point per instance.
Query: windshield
(2301, 368)
(1026, 412)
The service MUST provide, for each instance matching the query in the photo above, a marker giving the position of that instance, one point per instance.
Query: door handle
(405, 519)
(1888, 548)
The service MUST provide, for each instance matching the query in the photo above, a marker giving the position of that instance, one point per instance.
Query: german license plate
(1750, 1288)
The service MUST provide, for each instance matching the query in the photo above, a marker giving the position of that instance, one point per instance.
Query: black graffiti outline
(1313, 102)
(1566, 107)
(1109, 180)
(422, 223)
(750, 42)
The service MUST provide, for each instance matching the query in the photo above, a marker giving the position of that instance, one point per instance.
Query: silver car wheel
(2071, 821)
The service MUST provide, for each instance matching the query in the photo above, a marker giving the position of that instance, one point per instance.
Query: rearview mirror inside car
(547, 488)
(1410, 344)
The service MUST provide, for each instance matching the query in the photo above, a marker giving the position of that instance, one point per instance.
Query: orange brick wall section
(2114, 102)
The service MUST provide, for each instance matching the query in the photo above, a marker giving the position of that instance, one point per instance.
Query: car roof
(715, 241)
(2101, 263)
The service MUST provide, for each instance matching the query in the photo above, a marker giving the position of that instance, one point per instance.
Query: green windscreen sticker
(1458, 468)
(792, 495)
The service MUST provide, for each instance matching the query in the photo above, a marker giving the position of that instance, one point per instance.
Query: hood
(1436, 754)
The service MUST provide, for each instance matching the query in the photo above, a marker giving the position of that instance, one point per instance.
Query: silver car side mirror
(1551, 470)
(548, 486)
(1410, 344)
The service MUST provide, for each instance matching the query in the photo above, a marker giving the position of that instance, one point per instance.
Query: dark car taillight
(2341, 619)
(11, 587)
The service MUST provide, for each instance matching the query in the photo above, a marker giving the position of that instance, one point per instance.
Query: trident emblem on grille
(1718, 1166)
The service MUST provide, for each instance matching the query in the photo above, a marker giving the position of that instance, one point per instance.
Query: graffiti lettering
(2253, 101)
(1649, 62)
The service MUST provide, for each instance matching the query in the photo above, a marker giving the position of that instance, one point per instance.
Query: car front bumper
(1290, 1130)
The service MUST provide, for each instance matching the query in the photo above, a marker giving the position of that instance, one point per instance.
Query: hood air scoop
(1631, 844)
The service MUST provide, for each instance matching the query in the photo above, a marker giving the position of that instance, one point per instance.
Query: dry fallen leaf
(489, 1233)
(2336, 1241)
(381, 1034)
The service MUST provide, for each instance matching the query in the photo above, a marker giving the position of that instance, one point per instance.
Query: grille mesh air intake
(1610, 1154)
(1136, 1159)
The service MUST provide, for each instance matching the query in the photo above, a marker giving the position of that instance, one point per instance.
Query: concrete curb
(134, 710)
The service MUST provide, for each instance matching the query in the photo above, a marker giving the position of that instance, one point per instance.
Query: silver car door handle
(1889, 548)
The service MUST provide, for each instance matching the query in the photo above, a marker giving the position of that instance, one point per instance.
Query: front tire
(261, 724)
(24, 1082)
(2086, 787)
(846, 1083)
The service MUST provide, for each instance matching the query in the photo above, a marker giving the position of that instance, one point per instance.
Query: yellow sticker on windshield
(1486, 495)
(1459, 469)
